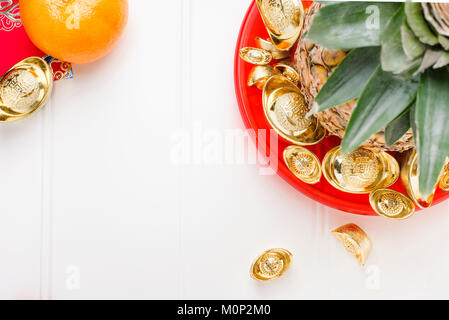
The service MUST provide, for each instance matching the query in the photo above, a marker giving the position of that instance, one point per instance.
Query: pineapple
(315, 64)
(376, 74)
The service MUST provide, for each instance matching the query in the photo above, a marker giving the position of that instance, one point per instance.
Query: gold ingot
(269, 46)
(256, 56)
(303, 163)
(355, 240)
(410, 179)
(288, 71)
(283, 20)
(271, 264)
(259, 75)
(285, 109)
(391, 204)
(25, 88)
(444, 180)
(361, 171)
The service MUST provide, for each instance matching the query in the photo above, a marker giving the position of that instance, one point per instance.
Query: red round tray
(250, 105)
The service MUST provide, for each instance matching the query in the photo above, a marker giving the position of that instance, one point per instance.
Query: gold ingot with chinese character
(355, 240)
(288, 71)
(25, 88)
(361, 171)
(283, 20)
(269, 46)
(259, 75)
(271, 264)
(286, 109)
(303, 163)
(391, 204)
(444, 180)
(410, 179)
(256, 56)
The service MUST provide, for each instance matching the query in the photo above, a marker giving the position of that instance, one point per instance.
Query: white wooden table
(94, 204)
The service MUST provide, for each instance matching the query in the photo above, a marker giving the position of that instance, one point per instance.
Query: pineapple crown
(397, 69)
(413, 36)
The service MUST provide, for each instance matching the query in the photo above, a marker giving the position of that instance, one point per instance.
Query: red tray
(250, 105)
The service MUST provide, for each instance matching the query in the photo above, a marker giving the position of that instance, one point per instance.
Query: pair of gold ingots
(362, 171)
(24, 89)
(274, 262)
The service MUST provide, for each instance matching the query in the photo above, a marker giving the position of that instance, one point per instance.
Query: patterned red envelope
(16, 46)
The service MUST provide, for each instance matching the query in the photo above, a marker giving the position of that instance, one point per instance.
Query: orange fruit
(78, 31)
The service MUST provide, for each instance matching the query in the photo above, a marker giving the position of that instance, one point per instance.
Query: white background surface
(94, 207)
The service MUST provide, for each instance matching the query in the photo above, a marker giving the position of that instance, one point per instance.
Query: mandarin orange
(78, 31)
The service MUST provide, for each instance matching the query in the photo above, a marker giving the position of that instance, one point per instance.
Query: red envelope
(16, 46)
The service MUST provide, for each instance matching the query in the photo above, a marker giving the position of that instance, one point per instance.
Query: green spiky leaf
(383, 99)
(432, 118)
(430, 59)
(349, 25)
(413, 121)
(344, 84)
(417, 22)
(413, 48)
(393, 56)
(443, 61)
(444, 41)
(327, 3)
(396, 129)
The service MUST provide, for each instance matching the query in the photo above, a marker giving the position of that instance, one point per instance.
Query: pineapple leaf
(431, 58)
(384, 98)
(413, 48)
(444, 41)
(393, 56)
(442, 61)
(413, 122)
(397, 128)
(432, 130)
(416, 21)
(349, 25)
(344, 85)
(326, 2)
